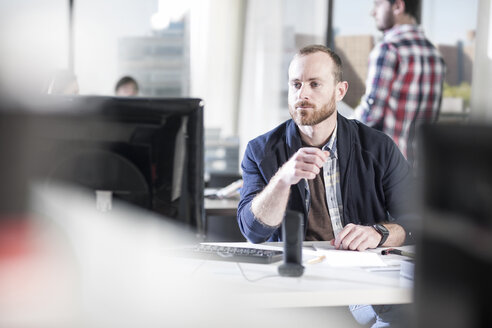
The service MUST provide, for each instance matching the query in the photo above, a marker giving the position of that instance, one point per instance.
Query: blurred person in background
(405, 76)
(127, 86)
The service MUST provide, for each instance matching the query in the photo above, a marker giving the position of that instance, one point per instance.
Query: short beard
(387, 23)
(312, 116)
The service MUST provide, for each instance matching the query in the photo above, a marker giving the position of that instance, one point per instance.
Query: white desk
(320, 285)
(113, 269)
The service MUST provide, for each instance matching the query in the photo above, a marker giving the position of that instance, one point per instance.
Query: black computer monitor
(145, 151)
(454, 262)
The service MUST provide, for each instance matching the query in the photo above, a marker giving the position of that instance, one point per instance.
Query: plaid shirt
(331, 177)
(403, 87)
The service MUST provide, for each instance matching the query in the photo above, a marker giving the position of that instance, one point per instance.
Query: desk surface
(320, 285)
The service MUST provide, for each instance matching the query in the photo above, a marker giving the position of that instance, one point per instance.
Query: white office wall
(274, 30)
(33, 41)
(481, 97)
(261, 78)
(216, 37)
(98, 26)
(216, 29)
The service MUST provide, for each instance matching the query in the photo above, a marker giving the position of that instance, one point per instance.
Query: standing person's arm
(262, 205)
(383, 63)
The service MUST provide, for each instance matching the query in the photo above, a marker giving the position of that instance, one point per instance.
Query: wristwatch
(383, 231)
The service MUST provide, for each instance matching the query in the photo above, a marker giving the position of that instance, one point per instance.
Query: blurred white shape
(169, 11)
(490, 32)
(160, 21)
(34, 41)
(175, 9)
(104, 200)
(87, 268)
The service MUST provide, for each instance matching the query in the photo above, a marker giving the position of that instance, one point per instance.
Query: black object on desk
(293, 235)
(397, 252)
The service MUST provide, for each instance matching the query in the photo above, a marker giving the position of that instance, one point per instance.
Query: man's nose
(304, 92)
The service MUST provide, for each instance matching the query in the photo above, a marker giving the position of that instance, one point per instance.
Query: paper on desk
(340, 258)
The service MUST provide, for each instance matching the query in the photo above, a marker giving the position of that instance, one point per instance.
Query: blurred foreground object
(454, 256)
(64, 263)
(148, 152)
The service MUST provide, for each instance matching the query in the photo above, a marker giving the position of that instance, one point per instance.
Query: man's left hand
(357, 237)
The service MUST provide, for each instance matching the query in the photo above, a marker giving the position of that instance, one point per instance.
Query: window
(449, 24)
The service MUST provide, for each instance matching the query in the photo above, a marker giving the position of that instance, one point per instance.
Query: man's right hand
(269, 205)
(304, 164)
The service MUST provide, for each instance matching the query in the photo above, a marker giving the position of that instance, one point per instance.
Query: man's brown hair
(311, 49)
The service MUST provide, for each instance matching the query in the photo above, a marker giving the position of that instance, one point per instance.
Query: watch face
(381, 228)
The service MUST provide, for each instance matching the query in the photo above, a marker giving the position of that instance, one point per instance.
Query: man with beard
(350, 181)
(405, 77)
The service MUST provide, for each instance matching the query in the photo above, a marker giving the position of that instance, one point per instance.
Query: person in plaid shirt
(405, 77)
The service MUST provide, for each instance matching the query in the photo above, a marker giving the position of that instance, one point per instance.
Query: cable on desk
(253, 280)
(197, 267)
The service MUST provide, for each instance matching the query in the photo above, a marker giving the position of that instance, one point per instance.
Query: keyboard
(232, 254)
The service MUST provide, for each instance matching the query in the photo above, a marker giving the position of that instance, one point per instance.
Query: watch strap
(383, 231)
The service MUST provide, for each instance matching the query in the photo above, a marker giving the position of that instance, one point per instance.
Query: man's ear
(398, 7)
(341, 89)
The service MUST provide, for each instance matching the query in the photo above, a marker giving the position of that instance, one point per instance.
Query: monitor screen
(145, 151)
